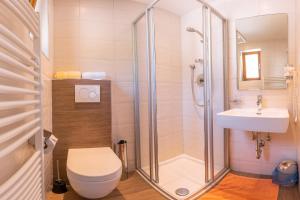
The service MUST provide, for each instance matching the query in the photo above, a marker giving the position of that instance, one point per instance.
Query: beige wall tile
(104, 43)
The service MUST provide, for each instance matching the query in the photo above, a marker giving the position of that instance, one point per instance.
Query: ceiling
(178, 7)
(263, 28)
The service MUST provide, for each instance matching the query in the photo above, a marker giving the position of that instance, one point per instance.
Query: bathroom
(169, 82)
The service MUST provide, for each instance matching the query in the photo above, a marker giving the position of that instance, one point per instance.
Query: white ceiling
(263, 28)
(179, 7)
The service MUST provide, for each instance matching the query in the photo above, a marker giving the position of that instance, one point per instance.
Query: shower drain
(182, 191)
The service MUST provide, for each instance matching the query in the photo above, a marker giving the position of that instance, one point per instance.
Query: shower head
(190, 29)
(193, 30)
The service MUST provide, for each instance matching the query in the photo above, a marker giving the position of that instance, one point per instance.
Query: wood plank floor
(285, 193)
(135, 188)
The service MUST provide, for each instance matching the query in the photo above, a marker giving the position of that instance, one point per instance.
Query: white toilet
(93, 172)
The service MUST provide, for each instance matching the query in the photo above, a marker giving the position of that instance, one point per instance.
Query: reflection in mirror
(262, 51)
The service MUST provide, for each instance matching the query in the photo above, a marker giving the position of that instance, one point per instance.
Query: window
(251, 65)
(42, 8)
(33, 3)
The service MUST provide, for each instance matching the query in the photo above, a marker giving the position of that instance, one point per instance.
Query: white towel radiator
(20, 102)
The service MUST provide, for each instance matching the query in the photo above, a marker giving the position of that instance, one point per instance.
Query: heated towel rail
(20, 102)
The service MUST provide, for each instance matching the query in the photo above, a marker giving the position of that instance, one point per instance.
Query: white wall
(297, 9)
(192, 117)
(93, 35)
(47, 71)
(169, 81)
(242, 148)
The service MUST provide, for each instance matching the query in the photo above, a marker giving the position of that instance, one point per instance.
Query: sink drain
(182, 191)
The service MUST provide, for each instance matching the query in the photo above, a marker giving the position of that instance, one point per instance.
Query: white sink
(273, 120)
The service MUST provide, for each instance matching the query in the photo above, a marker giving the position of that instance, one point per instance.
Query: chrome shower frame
(153, 177)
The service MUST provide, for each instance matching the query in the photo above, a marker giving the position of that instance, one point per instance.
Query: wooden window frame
(244, 54)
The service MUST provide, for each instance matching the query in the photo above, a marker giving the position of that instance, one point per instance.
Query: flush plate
(87, 93)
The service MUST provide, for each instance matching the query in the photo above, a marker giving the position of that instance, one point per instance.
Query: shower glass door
(218, 91)
(180, 61)
(143, 113)
(180, 119)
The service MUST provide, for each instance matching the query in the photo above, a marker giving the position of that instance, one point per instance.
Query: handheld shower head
(190, 29)
(193, 30)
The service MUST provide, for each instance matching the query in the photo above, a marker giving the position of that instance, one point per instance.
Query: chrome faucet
(259, 104)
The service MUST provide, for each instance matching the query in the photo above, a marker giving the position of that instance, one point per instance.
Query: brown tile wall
(79, 125)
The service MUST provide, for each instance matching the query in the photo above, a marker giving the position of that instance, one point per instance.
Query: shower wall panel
(218, 90)
(169, 84)
(193, 117)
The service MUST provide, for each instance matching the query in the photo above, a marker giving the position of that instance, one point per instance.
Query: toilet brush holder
(122, 153)
(59, 186)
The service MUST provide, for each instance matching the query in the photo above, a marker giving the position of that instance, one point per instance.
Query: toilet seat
(93, 164)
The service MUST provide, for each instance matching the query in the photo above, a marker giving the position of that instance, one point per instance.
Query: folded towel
(67, 75)
(94, 75)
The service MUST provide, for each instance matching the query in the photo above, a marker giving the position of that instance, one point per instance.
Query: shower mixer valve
(200, 80)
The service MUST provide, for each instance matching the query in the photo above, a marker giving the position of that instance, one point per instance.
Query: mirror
(262, 52)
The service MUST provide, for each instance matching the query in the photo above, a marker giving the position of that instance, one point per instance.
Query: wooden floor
(285, 193)
(135, 188)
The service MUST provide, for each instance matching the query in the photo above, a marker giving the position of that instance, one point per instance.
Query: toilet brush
(59, 186)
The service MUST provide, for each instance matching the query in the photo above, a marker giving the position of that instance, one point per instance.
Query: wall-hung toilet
(93, 172)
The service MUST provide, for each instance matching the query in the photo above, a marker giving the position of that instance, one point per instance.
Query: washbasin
(272, 120)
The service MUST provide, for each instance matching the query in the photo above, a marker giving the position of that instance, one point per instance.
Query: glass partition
(217, 91)
(180, 115)
(142, 117)
(180, 62)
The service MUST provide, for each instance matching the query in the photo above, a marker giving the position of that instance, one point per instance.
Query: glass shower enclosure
(180, 54)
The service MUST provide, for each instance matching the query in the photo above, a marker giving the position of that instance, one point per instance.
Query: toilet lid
(93, 164)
